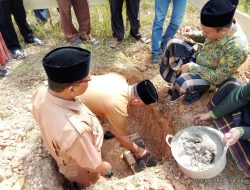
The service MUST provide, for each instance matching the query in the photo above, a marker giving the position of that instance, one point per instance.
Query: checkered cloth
(240, 151)
(180, 52)
(190, 82)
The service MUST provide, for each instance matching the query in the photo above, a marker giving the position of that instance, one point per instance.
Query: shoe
(4, 72)
(108, 135)
(90, 39)
(156, 59)
(113, 42)
(34, 40)
(77, 42)
(191, 98)
(17, 54)
(37, 41)
(94, 41)
(140, 37)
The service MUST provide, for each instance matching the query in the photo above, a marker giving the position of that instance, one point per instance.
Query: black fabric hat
(67, 64)
(147, 92)
(218, 13)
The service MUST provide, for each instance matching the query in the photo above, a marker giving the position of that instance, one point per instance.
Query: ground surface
(26, 164)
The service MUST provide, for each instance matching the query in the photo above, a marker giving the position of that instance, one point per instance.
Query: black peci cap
(218, 13)
(67, 64)
(147, 92)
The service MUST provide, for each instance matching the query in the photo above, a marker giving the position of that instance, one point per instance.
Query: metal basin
(183, 159)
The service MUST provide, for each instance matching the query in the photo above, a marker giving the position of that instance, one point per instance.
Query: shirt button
(68, 114)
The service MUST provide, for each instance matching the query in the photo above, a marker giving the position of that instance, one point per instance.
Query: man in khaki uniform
(109, 95)
(70, 131)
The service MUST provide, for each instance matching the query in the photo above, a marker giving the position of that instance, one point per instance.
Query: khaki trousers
(81, 9)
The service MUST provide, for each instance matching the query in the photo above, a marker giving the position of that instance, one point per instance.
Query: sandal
(140, 37)
(17, 54)
(90, 39)
(113, 42)
(94, 41)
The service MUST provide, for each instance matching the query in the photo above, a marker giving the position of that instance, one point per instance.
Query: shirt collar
(68, 104)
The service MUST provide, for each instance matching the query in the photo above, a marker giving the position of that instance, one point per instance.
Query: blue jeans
(161, 9)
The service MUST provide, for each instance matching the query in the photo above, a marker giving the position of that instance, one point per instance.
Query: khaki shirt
(108, 95)
(71, 133)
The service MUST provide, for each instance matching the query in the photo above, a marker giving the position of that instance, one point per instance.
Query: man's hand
(199, 118)
(186, 31)
(185, 68)
(232, 136)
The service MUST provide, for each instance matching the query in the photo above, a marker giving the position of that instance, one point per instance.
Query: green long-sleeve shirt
(218, 60)
(236, 99)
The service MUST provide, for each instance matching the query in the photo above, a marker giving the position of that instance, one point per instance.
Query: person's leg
(66, 20)
(179, 7)
(192, 85)
(116, 19)
(19, 14)
(42, 15)
(81, 9)
(161, 8)
(177, 53)
(7, 27)
(4, 56)
(133, 7)
(225, 88)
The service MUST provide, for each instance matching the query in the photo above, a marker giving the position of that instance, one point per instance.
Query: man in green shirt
(194, 70)
(230, 111)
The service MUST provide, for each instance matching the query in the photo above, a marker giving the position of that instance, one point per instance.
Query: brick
(129, 158)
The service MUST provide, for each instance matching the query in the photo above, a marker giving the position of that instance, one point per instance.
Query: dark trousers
(42, 15)
(133, 7)
(16, 8)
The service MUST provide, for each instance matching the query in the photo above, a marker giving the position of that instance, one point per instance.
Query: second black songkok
(67, 64)
(147, 92)
(218, 13)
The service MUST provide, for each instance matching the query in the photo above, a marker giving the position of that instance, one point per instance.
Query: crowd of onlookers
(9, 8)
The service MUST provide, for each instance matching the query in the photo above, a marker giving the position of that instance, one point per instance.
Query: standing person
(117, 24)
(4, 56)
(15, 8)
(81, 9)
(229, 109)
(70, 131)
(193, 72)
(110, 95)
(159, 42)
